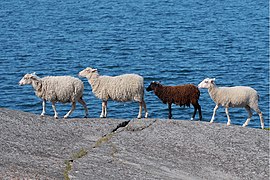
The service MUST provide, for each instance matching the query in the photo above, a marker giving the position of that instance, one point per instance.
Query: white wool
(62, 89)
(127, 87)
(238, 96)
(59, 88)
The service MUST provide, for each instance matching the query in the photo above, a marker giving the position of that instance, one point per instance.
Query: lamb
(182, 95)
(62, 89)
(123, 88)
(238, 96)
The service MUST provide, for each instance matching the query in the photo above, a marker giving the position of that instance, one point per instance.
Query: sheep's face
(27, 79)
(206, 83)
(87, 72)
(153, 86)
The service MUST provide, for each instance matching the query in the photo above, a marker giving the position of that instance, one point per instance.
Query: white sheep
(62, 89)
(123, 88)
(238, 96)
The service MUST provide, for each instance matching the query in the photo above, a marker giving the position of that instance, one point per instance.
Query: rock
(34, 147)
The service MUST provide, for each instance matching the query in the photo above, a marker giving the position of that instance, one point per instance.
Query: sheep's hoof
(102, 116)
(85, 117)
(146, 115)
(244, 125)
(42, 115)
(228, 124)
(56, 117)
(191, 119)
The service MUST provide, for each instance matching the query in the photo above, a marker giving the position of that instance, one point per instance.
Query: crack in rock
(122, 124)
(139, 125)
(105, 138)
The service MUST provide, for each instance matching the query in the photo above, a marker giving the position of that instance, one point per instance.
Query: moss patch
(79, 154)
(67, 169)
(103, 140)
(68, 163)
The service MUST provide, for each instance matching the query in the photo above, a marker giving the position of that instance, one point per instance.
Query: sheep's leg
(256, 108)
(170, 110)
(214, 113)
(54, 109)
(71, 110)
(195, 105)
(261, 119)
(228, 116)
(249, 116)
(43, 108)
(81, 101)
(260, 114)
(194, 113)
(104, 109)
(145, 109)
(200, 112)
(140, 110)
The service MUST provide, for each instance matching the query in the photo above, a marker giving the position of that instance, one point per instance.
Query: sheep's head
(153, 85)
(87, 72)
(207, 83)
(28, 79)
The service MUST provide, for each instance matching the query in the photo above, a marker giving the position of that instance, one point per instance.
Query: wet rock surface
(44, 148)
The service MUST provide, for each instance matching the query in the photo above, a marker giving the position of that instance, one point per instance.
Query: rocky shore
(44, 148)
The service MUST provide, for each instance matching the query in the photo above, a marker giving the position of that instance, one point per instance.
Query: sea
(174, 42)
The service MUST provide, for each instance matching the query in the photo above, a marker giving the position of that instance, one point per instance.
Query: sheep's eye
(206, 81)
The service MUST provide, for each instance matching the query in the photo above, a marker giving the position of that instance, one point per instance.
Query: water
(175, 42)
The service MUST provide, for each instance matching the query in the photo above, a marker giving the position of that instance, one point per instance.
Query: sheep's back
(61, 88)
(238, 96)
(181, 95)
(127, 87)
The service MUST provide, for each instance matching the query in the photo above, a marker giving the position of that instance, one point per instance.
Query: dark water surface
(175, 42)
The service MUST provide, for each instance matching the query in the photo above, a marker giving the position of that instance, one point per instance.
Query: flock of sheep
(130, 87)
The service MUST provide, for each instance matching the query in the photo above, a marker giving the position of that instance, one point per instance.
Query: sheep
(237, 96)
(123, 88)
(62, 89)
(180, 95)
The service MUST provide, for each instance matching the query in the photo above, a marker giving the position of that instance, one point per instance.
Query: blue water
(175, 42)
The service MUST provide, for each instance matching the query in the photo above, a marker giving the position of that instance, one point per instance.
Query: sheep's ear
(213, 80)
(94, 70)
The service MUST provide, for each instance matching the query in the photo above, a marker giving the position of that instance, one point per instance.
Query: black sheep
(182, 95)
